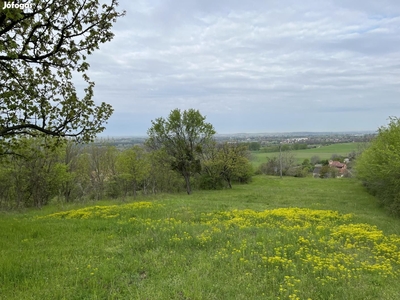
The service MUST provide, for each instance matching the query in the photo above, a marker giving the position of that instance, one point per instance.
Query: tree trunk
(229, 183)
(187, 179)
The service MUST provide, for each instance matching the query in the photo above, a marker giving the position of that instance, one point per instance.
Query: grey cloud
(235, 59)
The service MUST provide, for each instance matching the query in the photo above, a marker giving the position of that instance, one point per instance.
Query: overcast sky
(253, 66)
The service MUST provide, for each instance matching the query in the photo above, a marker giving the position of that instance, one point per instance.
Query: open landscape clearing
(151, 150)
(291, 238)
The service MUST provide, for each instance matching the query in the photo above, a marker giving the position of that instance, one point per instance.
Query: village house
(341, 167)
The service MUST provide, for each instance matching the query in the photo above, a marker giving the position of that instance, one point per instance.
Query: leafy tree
(284, 147)
(337, 157)
(102, 158)
(306, 162)
(41, 48)
(306, 165)
(328, 172)
(271, 167)
(161, 177)
(254, 146)
(133, 168)
(379, 166)
(324, 172)
(324, 162)
(212, 167)
(81, 176)
(34, 178)
(315, 159)
(225, 163)
(302, 172)
(234, 162)
(298, 146)
(72, 187)
(182, 136)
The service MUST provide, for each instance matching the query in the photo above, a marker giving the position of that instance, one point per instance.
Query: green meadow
(290, 238)
(324, 152)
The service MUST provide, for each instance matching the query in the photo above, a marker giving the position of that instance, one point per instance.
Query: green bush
(207, 182)
(379, 166)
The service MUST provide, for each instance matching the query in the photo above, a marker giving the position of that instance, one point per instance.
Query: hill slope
(295, 238)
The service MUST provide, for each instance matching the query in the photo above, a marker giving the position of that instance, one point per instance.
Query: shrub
(379, 166)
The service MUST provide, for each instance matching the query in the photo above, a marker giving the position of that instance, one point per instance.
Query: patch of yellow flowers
(289, 240)
(106, 212)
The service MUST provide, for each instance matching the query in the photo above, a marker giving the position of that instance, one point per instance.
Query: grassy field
(290, 238)
(324, 152)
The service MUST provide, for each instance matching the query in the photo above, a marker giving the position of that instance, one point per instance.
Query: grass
(324, 152)
(295, 238)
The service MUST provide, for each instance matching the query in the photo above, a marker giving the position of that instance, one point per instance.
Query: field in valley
(290, 238)
(323, 152)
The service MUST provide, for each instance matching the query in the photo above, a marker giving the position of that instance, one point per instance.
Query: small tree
(72, 187)
(307, 165)
(161, 177)
(212, 167)
(271, 167)
(288, 163)
(234, 163)
(183, 136)
(315, 159)
(254, 146)
(324, 172)
(133, 168)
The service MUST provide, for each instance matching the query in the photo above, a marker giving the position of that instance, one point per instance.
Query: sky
(252, 66)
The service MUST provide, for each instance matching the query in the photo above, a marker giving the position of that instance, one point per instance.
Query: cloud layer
(253, 66)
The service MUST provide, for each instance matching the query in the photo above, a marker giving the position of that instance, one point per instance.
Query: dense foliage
(223, 164)
(182, 136)
(73, 172)
(379, 166)
(41, 49)
(34, 179)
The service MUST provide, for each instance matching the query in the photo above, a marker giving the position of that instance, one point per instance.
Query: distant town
(263, 139)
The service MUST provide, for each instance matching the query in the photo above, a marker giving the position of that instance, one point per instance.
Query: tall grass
(295, 238)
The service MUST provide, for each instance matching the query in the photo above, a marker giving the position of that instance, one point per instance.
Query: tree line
(180, 158)
(40, 107)
(284, 147)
